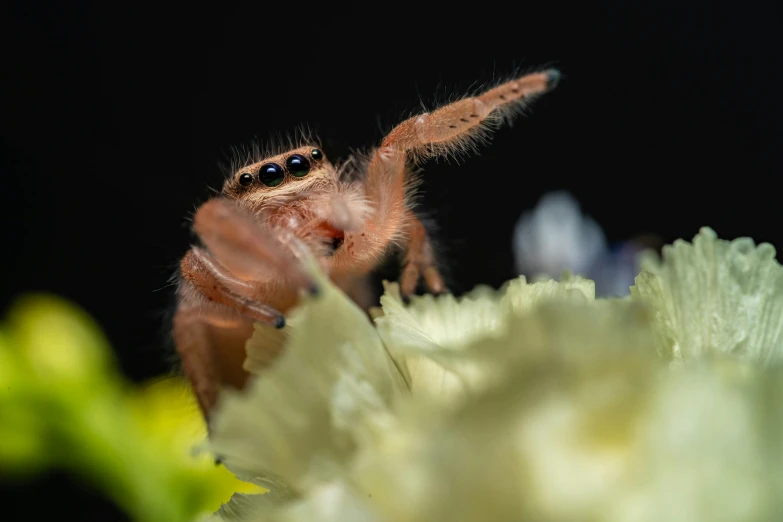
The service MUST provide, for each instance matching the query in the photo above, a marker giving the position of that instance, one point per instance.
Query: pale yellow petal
(418, 334)
(267, 343)
(521, 296)
(431, 323)
(713, 296)
(445, 322)
(440, 342)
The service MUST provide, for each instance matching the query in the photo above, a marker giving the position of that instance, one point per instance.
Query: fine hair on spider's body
(278, 208)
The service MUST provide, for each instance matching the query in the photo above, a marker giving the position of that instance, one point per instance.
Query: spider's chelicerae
(271, 211)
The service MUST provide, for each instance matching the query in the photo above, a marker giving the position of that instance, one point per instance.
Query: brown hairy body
(277, 209)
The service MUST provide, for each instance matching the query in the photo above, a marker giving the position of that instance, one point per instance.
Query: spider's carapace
(253, 234)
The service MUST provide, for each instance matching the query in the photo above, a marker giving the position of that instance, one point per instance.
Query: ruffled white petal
(714, 297)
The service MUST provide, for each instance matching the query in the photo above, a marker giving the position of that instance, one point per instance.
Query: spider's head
(280, 178)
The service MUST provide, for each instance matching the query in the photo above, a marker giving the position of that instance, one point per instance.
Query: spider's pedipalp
(243, 246)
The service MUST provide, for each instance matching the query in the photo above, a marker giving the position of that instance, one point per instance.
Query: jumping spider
(269, 211)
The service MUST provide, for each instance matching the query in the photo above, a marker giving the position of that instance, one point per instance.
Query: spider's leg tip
(280, 322)
(553, 78)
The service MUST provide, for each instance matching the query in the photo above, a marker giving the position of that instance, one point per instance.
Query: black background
(113, 118)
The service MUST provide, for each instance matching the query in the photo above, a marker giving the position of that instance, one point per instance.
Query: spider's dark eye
(297, 165)
(246, 179)
(317, 154)
(271, 174)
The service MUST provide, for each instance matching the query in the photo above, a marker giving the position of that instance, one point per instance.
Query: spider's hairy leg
(245, 248)
(194, 329)
(419, 261)
(385, 188)
(454, 125)
(385, 191)
(393, 221)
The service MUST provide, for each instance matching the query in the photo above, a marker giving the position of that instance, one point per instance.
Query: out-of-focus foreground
(537, 401)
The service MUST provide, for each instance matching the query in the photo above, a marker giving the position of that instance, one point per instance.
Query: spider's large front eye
(246, 179)
(271, 174)
(297, 165)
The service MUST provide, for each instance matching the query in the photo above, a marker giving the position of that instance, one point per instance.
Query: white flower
(535, 402)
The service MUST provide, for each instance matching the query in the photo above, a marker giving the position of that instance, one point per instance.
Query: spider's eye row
(297, 165)
(271, 174)
(317, 154)
(246, 179)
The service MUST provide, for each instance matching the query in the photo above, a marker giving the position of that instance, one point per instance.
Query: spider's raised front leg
(220, 299)
(246, 249)
(440, 132)
(453, 125)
